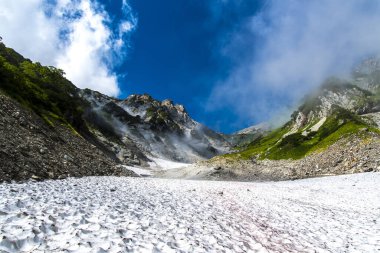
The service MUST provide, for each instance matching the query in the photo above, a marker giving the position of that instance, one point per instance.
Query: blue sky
(231, 63)
(175, 53)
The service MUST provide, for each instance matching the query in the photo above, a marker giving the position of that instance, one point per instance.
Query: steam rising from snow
(76, 36)
(295, 45)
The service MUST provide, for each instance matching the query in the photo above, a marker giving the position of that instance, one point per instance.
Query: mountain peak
(159, 128)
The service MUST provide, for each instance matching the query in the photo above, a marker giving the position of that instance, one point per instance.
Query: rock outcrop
(157, 128)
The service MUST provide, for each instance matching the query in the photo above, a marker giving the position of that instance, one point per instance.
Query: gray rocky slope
(346, 156)
(150, 128)
(32, 149)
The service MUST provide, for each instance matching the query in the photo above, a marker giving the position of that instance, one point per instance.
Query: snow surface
(139, 171)
(156, 165)
(111, 214)
(163, 164)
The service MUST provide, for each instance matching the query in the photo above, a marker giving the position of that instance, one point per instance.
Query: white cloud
(23, 25)
(294, 46)
(73, 35)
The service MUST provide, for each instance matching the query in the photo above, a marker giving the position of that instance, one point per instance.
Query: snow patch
(139, 171)
(314, 128)
(162, 164)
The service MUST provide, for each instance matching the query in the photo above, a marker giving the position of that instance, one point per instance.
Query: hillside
(52, 129)
(336, 111)
(334, 131)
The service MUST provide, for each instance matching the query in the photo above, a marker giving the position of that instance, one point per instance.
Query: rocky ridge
(158, 128)
(247, 135)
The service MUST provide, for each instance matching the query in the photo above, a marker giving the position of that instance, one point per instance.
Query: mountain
(157, 128)
(52, 129)
(41, 129)
(335, 130)
(247, 135)
(367, 75)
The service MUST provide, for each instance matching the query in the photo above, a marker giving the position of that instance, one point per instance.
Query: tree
(1, 39)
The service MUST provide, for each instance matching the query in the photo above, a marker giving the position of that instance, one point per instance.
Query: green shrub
(42, 89)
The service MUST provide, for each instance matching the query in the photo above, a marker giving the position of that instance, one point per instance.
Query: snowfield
(111, 214)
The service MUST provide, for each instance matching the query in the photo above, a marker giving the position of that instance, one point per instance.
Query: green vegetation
(275, 146)
(296, 145)
(261, 145)
(42, 89)
(150, 112)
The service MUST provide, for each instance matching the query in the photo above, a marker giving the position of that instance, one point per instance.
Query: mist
(288, 49)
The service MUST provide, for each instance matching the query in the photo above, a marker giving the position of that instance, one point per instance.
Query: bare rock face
(367, 74)
(156, 128)
(332, 94)
(30, 148)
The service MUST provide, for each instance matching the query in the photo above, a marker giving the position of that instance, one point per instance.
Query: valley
(84, 172)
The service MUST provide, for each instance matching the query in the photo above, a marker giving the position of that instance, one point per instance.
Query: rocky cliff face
(367, 75)
(359, 95)
(157, 128)
(333, 94)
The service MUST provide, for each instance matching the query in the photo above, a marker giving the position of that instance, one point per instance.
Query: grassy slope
(340, 124)
(42, 89)
(295, 146)
(45, 91)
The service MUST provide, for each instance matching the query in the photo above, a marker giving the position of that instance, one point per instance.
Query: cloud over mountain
(289, 48)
